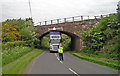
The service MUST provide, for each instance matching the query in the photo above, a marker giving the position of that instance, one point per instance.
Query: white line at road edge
(73, 72)
(55, 54)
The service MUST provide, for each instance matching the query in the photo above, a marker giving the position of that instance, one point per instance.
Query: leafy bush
(45, 41)
(17, 34)
(33, 43)
(37, 43)
(105, 37)
(66, 41)
(13, 44)
(17, 29)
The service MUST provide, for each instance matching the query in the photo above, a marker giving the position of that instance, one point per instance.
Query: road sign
(54, 33)
(54, 28)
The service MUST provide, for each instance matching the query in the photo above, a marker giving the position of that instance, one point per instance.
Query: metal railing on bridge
(71, 19)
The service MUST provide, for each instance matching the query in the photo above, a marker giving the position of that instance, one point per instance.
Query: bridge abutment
(76, 43)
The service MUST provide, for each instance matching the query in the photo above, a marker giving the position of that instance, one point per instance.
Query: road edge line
(73, 72)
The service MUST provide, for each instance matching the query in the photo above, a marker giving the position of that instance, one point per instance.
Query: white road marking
(61, 62)
(73, 72)
(55, 54)
(57, 58)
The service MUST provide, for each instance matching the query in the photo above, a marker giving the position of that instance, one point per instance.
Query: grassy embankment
(98, 59)
(18, 60)
(102, 43)
(19, 39)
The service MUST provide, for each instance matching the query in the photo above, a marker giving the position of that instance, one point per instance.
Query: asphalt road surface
(48, 63)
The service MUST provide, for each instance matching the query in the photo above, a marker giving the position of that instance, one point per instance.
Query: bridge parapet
(71, 27)
(71, 19)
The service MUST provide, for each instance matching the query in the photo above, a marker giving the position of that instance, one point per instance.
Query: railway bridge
(70, 26)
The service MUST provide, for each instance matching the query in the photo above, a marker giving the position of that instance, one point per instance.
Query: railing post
(73, 19)
(88, 17)
(40, 23)
(45, 22)
(95, 17)
(51, 21)
(101, 16)
(81, 17)
(64, 19)
(57, 20)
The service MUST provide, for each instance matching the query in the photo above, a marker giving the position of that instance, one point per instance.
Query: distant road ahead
(48, 63)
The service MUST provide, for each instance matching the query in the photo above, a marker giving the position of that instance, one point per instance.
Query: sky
(43, 10)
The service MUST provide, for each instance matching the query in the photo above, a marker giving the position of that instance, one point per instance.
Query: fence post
(64, 19)
(101, 16)
(51, 21)
(57, 20)
(88, 17)
(45, 22)
(81, 17)
(73, 19)
(95, 17)
(40, 23)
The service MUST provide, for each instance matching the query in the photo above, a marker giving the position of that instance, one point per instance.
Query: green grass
(98, 60)
(11, 54)
(19, 66)
(45, 41)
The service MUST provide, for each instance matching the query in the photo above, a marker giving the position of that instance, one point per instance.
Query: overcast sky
(52, 9)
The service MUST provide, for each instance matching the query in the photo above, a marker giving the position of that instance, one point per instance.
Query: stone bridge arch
(75, 40)
(69, 28)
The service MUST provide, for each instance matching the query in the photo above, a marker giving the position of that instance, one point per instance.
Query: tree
(118, 11)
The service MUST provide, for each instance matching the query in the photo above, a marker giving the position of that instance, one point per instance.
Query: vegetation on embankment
(66, 41)
(20, 30)
(12, 54)
(45, 41)
(98, 59)
(19, 66)
(102, 42)
(19, 39)
(103, 38)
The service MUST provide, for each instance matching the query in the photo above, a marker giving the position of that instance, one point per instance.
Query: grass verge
(102, 61)
(19, 66)
(11, 54)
